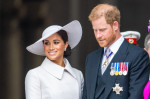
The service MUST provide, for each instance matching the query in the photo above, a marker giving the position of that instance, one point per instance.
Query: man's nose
(98, 34)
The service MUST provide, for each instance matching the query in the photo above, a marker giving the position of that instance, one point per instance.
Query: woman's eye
(46, 43)
(56, 42)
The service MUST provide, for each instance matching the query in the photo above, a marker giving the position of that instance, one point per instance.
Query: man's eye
(46, 43)
(95, 30)
(56, 42)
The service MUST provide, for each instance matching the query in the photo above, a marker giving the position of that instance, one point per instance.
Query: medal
(116, 73)
(112, 72)
(117, 89)
(124, 73)
(120, 72)
(105, 63)
(125, 68)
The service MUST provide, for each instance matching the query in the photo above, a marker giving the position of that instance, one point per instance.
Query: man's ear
(115, 25)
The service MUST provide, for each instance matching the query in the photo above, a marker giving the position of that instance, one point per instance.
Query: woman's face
(54, 48)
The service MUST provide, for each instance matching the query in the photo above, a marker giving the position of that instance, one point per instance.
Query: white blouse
(51, 81)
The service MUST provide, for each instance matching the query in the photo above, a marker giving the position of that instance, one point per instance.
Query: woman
(55, 78)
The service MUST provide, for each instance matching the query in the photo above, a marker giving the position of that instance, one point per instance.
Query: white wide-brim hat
(74, 32)
(131, 34)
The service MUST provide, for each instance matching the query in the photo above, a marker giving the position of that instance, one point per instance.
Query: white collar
(116, 45)
(56, 70)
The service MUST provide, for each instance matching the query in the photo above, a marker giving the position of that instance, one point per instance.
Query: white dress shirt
(114, 48)
(51, 81)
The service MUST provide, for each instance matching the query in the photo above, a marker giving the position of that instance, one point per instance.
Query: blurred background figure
(147, 44)
(131, 36)
(146, 91)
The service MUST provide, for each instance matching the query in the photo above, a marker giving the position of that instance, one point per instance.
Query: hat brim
(127, 34)
(74, 32)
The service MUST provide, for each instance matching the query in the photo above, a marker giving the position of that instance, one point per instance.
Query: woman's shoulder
(77, 72)
(79, 75)
(32, 78)
(34, 71)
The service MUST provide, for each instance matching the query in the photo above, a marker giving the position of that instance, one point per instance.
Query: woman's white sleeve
(32, 85)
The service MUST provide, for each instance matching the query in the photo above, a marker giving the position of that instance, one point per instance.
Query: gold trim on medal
(116, 73)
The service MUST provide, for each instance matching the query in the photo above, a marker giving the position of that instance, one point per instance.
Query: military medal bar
(119, 68)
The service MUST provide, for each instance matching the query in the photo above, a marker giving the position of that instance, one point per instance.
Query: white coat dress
(51, 81)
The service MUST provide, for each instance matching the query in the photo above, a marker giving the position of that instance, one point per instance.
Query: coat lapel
(119, 57)
(94, 71)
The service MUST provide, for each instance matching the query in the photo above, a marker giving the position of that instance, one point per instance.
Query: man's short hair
(110, 12)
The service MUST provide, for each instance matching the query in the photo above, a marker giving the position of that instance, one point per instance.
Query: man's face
(104, 33)
(148, 48)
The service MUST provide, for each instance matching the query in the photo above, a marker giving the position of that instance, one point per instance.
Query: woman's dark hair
(64, 36)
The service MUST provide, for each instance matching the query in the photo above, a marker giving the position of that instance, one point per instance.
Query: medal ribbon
(121, 66)
(108, 53)
(125, 66)
(116, 66)
(112, 66)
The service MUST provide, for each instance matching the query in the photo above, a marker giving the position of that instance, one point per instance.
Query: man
(147, 44)
(118, 69)
(146, 91)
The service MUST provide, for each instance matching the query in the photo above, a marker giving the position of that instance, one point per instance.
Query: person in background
(118, 69)
(55, 78)
(146, 91)
(147, 44)
(131, 36)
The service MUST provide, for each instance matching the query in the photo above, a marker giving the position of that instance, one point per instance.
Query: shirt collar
(116, 45)
(56, 70)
